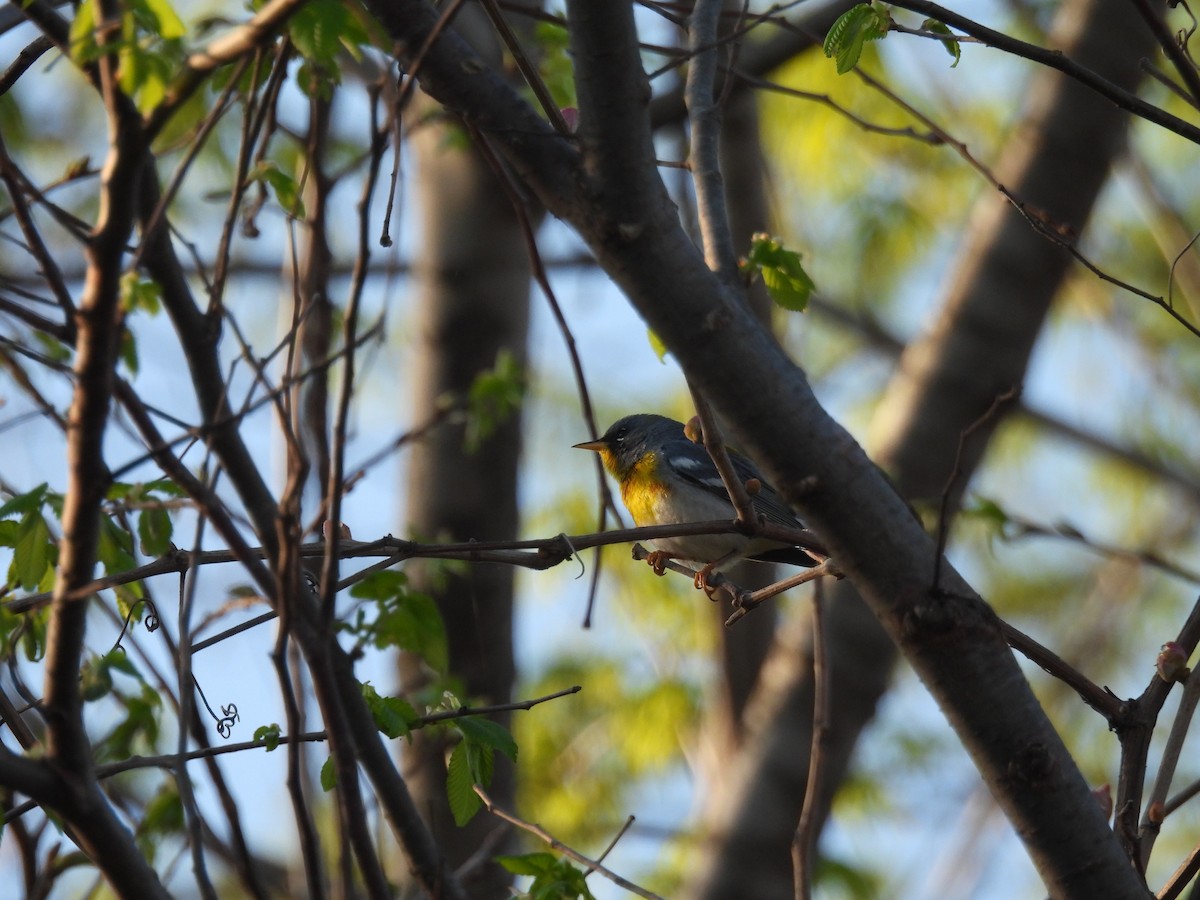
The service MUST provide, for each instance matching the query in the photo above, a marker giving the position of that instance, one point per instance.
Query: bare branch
(705, 119)
(1055, 59)
(555, 844)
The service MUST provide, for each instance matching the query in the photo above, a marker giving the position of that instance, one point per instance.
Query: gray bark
(996, 302)
(604, 182)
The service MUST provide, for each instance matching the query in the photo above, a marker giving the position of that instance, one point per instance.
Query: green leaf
(317, 80)
(286, 191)
(481, 762)
(553, 878)
(31, 635)
(115, 550)
(528, 863)
(53, 348)
(82, 34)
(154, 530)
(988, 511)
(484, 731)
(268, 734)
(140, 294)
(96, 673)
(782, 272)
(138, 731)
(414, 623)
(464, 802)
(393, 715)
(163, 814)
(165, 486)
(169, 25)
(656, 344)
(554, 62)
(24, 503)
(494, 396)
(316, 30)
(952, 47)
(382, 585)
(128, 351)
(328, 776)
(95, 679)
(851, 31)
(117, 659)
(33, 551)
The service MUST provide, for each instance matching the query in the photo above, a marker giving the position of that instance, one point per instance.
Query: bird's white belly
(704, 548)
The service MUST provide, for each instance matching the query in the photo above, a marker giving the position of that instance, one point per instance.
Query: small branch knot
(1032, 766)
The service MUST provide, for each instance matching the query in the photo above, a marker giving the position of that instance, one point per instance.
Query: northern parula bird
(667, 479)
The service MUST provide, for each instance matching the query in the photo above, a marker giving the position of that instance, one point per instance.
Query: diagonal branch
(628, 222)
(1055, 59)
(228, 48)
(704, 117)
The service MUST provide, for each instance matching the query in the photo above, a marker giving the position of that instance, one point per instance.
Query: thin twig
(1155, 812)
(336, 485)
(1182, 876)
(951, 486)
(238, 44)
(749, 600)
(1153, 18)
(1055, 232)
(1068, 532)
(804, 841)
(1135, 731)
(31, 53)
(714, 443)
(1101, 700)
(555, 844)
(1055, 59)
(537, 554)
(529, 71)
(629, 820)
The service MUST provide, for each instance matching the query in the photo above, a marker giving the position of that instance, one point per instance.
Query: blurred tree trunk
(1056, 161)
(473, 275)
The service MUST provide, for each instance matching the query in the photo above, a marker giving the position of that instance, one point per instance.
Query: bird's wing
(692, 463)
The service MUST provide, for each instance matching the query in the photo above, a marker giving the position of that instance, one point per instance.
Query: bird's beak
(591, 445)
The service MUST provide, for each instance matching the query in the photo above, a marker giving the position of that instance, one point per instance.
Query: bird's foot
(657, 560)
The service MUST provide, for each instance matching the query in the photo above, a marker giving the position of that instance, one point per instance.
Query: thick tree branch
(949, 635)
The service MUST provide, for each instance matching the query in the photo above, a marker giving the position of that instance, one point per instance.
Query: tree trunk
(473, 273)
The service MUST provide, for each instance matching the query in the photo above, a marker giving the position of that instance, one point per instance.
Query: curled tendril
(574, 554)
(229, 713)
(151, 620)
(231, 718)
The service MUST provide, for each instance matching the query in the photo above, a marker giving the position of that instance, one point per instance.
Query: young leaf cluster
(473, 761)
(553, 878)
(850, 32)
(494, 396)
(781, 270)
(150, 47)
(404, 618)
